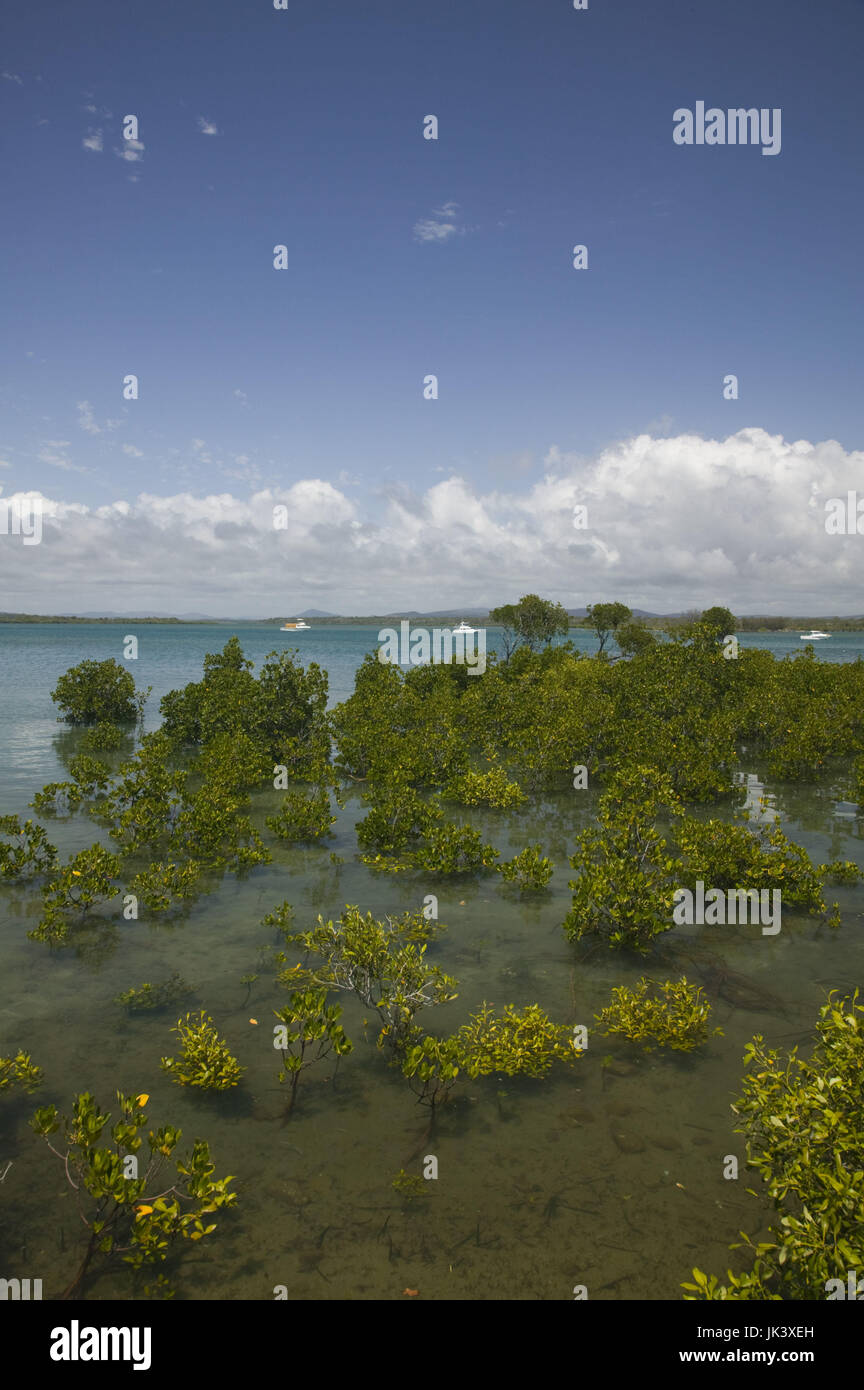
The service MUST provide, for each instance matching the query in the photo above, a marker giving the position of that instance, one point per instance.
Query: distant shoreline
(658, 622)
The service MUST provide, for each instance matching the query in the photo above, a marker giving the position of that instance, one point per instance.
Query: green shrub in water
(804, 1128)
(149, 997)
(97, 691)
(518, 1043)
(303, 817)
(20, 1071)
(673, 1014)
(308, 1025)
(205, 1060)
(30, 854)
(529, 870)
(134, 1219)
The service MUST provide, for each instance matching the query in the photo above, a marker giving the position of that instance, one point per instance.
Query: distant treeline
(660, 623)
(751, 624)
(50, 618)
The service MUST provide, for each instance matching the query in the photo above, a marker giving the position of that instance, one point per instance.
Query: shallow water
(604, 1175)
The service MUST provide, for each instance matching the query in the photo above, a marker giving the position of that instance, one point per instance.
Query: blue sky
(304, 127)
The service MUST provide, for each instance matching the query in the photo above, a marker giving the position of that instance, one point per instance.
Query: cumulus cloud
(443, 224)
(207, 127)
(673, 524)
(93, 141)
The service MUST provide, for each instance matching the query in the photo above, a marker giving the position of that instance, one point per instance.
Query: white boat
(813, 636)
(298, 626)
(463, 630)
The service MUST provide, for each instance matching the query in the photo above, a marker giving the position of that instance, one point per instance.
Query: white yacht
(463, 630)
(297, 626)
(813, 636)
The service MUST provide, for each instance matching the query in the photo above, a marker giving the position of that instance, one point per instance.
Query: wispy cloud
(241, 397)
(13, 77)
(207, 127)
(443, 224)
(87, 420)
(245, 470)
(93, 141)
(132, 451)
(58, 460)
(200, 450)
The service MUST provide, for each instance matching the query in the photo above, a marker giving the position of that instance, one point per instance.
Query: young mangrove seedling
(409, 1185)
(307, 1025)
(20, 1071)
(205, 1060)
(150, 997)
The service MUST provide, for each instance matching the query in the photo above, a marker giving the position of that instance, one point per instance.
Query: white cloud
(207, 127)
(674, 524)
(132, 451)
(132, 151)
(12, 77)
(93, 141)
(443, 224)
(241, 397)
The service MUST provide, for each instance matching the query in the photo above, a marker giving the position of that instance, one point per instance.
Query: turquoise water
(609, 1176)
